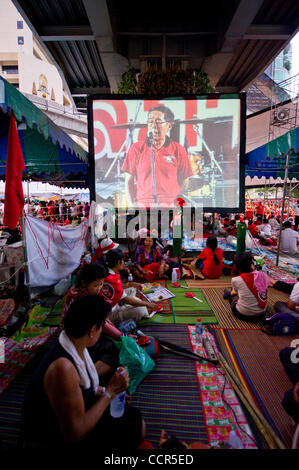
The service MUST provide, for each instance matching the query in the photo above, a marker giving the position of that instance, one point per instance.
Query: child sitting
(89, 281)
(124, 304)
(171, 260)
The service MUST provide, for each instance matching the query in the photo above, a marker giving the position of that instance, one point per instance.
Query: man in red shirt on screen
(157, 169)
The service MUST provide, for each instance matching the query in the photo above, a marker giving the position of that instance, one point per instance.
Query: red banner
(14, 196)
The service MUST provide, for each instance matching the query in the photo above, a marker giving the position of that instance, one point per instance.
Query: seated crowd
(67, 403)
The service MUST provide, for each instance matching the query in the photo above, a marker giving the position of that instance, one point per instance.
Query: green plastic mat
(181, 303)
(181, 319)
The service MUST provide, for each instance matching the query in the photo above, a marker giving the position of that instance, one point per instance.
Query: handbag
(280, 324)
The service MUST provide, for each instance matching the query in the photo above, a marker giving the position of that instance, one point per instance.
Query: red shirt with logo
(112, 289)
(172, 167)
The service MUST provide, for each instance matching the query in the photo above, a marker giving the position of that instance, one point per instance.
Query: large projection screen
(148, 152)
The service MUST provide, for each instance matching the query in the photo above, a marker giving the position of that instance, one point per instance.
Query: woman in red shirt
(252, 229)
(210, 260)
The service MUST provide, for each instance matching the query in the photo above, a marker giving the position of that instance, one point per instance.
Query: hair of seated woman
(84, 313)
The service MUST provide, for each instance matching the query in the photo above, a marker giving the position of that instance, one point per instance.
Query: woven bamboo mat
(222, 310)
(254, 357)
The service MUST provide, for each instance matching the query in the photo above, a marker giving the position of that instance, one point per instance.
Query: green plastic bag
(135, 359)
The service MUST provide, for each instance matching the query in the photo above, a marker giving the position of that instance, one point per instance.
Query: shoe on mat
(226, 293)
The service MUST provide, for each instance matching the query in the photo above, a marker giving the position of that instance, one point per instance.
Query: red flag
(14, 196)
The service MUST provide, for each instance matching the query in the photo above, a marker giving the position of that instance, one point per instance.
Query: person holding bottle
(65, 407)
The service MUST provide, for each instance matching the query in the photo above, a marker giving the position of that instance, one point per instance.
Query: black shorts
(116, 434)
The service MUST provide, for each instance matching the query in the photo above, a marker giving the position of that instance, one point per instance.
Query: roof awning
(269, 160)
(49, 153)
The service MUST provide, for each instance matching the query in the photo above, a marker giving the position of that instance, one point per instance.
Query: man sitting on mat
(248, 296)
(292, 305)
(289, 239)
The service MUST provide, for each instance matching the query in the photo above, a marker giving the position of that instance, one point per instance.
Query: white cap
(107, 244)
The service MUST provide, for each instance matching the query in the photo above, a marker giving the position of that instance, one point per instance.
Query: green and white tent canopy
(49, 153)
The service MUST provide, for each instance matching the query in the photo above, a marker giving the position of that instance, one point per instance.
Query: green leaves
(173, 82)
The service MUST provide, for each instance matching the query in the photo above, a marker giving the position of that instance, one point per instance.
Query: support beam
(250, 78)
(173, 34)
(268, 32)
(66, 33)
(114, 64)
(227, 89)
(90, 91)
(216, 64)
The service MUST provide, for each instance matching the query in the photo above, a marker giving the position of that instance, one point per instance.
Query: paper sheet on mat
(158, 292)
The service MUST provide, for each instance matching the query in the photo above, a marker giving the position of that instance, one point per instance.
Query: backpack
(280, 324)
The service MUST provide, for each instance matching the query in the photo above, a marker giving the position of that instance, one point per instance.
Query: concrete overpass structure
(92, 42)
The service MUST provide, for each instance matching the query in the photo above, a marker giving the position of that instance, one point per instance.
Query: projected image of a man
(157, 169)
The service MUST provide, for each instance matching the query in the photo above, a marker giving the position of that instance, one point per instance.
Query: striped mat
(223, 281)
(181, 319)
(11, 400)
(254, 356)
(169, 397)
(222, 310)
(14, 360)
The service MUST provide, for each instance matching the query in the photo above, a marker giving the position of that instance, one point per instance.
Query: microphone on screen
(149, 137)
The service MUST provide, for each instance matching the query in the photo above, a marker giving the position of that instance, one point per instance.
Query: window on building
(10, 69)
(20, 40)
(19, 24)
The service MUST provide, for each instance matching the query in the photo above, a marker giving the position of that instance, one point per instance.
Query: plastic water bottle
(130, 277)
(174, 276)
(198, 331)
(235, 441)
(264, 268)
(117, 405)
